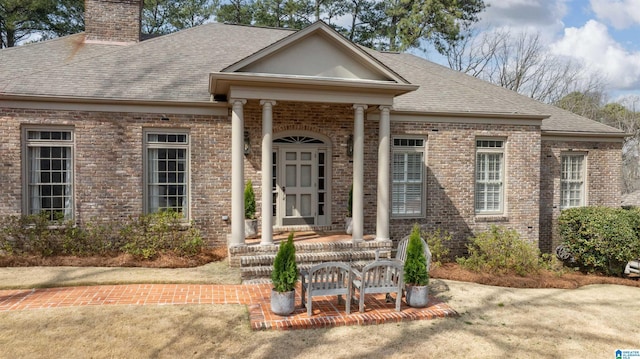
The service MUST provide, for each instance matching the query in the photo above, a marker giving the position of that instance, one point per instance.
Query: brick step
(317, 257)
(261, 274)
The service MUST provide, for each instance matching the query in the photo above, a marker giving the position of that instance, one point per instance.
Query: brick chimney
(117, 21)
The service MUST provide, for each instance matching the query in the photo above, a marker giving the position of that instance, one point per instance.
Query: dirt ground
(591, 321)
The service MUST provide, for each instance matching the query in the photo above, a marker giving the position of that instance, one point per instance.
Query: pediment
(318, 52)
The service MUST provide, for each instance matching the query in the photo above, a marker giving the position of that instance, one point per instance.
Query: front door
(299, 176)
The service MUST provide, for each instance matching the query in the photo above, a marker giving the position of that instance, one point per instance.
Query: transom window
(167, 172)
(572, 191)
(489, 196)
(407, 195)
(49, 173)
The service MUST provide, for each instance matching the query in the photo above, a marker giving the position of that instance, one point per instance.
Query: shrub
(500, 251)
(144, 237)
(601, 239)
(249, 201)
(285, 270)
(33, 234)
(415, 266)
(439, 250)
(149, 235)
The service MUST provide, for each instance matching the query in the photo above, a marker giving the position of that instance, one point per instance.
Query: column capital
(358, 106)
(385, 108)
(270, 102)
(235, 101)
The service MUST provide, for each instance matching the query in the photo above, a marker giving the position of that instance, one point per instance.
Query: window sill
(491, 218)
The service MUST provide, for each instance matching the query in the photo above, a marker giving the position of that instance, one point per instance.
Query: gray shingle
(176, 67)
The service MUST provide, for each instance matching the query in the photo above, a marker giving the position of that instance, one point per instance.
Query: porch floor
(309, 236)
(326, 312)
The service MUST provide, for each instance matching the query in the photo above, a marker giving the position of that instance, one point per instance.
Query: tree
(520, 63)
(19, 19)
(165, 16)
(236, 12)
(283, 13)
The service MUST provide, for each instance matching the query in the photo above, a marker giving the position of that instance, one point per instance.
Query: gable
(317, 51)
(316, 56)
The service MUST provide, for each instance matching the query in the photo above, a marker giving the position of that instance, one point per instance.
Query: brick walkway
(326, 312)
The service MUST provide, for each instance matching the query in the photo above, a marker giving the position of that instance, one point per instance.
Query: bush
(601, 239)
(501, 251)
(249, 201)
(144, 237)
(285, 270)
(439, 250)
(415, 266)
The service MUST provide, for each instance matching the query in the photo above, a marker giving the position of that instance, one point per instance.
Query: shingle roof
(176, 67)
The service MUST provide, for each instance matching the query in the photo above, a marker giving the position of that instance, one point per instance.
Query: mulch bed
(452, 271)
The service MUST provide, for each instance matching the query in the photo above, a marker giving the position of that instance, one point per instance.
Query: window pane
(49, 187)
(166, 176)
(407, 177)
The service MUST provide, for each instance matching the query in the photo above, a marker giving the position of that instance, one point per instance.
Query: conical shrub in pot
(284, 278)
(416, 276)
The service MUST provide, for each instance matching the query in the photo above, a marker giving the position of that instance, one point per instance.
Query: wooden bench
(325, 279)
(381, 276)
(633, 268)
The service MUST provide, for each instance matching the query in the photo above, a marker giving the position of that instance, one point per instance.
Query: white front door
(298, 183)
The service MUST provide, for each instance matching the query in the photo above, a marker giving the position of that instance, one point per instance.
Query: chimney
(114, 21)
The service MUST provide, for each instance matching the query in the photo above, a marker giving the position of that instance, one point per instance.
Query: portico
(327, 69)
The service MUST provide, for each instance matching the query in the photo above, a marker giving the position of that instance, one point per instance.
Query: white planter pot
(348, 225)
(283, 303)
(250, 228)
(417, 295)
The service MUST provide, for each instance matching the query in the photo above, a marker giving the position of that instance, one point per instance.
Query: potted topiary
(250, 221)
(416, 276)
(284, 278)
(348, 220)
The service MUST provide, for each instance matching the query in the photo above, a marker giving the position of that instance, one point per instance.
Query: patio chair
(401, 255)
(330, 278)
(381, 276)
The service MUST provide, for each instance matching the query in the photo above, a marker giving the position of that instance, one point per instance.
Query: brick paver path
(326, 312)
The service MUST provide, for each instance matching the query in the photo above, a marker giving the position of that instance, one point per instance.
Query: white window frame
(411, 145)
(33, 186)
(147, 191)
(486, 147)
(565, 193)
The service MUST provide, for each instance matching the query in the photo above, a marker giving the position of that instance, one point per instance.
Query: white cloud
(541, 16)
(621, 14)
(601, 55)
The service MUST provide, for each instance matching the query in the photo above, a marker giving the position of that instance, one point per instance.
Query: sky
(603, 34)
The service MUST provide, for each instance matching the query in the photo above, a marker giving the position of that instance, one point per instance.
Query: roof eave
(219, 83)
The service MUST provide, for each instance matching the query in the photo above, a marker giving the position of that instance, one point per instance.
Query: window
(49, 173)
(489, 196)
(407, 195)
(572, 192)
(166, 172)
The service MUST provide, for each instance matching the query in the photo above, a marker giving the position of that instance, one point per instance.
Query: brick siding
(109, 169)
(604, 181)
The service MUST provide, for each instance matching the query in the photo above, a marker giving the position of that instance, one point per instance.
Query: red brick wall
(113, 20)
(109, 168)
(108, 164)
(604, 181)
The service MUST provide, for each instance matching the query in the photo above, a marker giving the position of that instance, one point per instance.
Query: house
(102, 125)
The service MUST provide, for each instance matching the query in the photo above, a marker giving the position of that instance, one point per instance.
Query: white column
(382, 217)
(358, 173)
(237, 172)
(267, 171)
